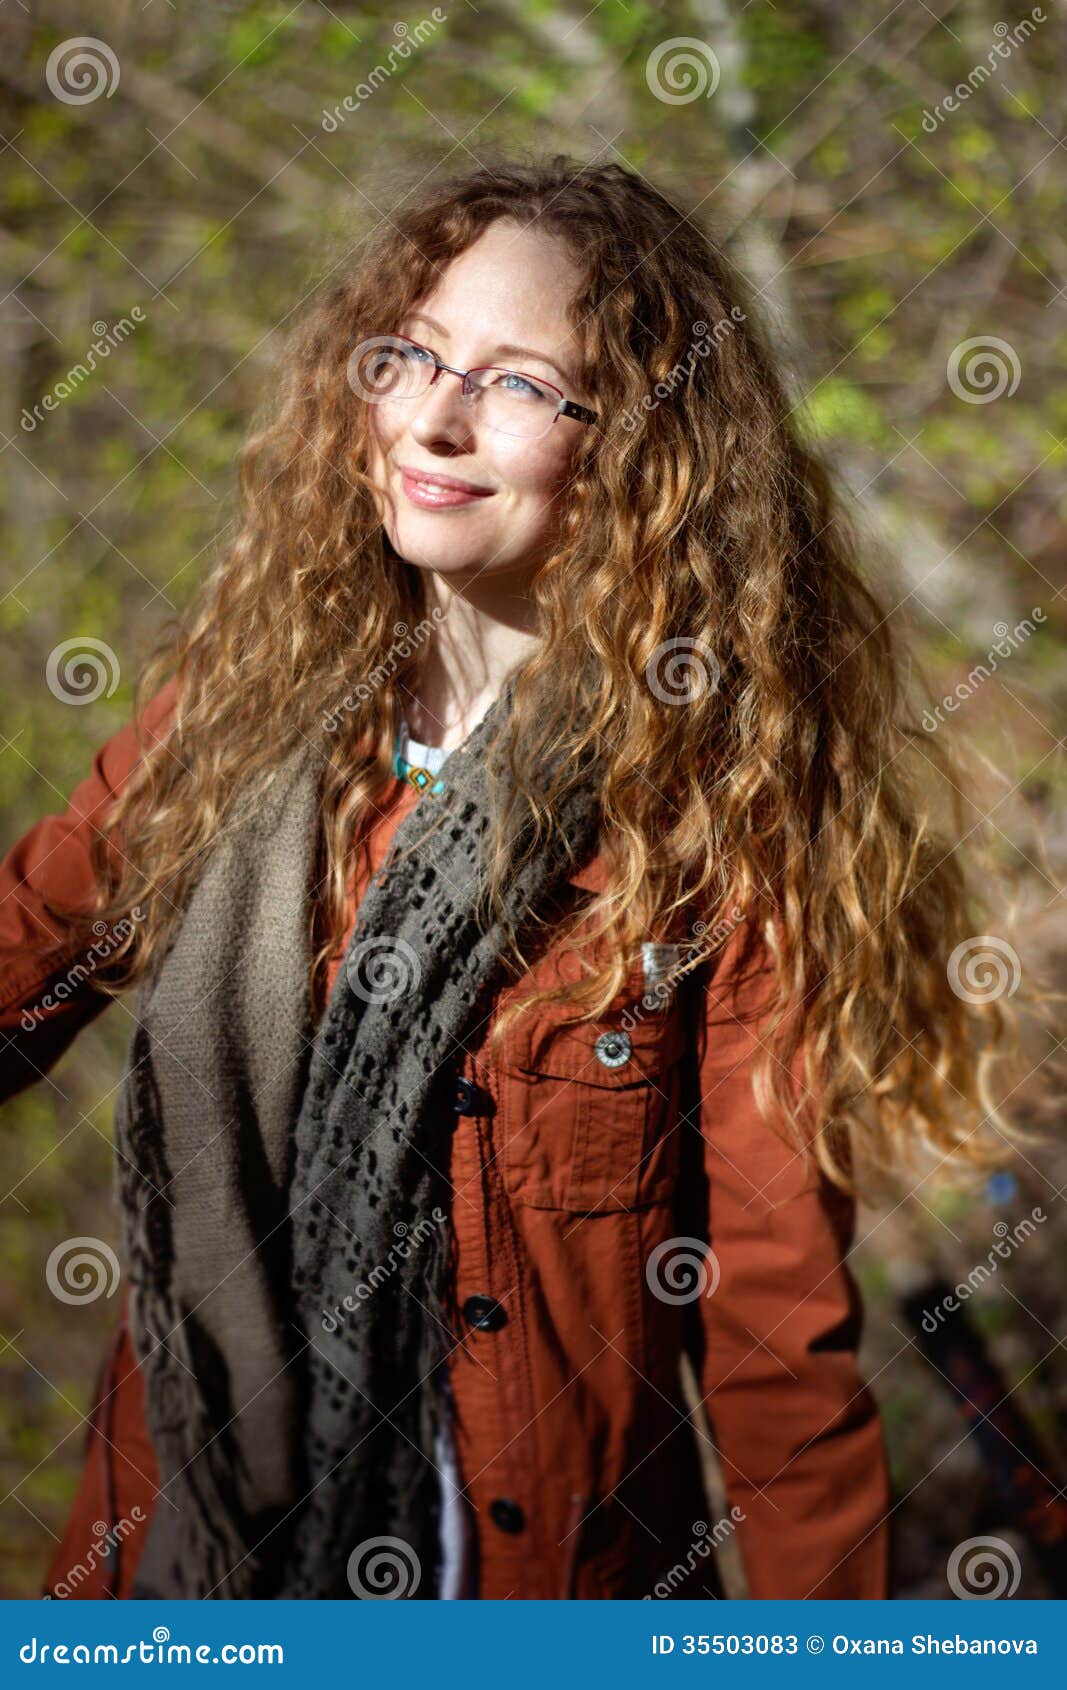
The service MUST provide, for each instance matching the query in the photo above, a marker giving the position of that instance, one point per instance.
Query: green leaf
(838, 409)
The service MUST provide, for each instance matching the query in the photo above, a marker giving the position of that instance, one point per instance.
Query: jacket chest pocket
(589, 1110)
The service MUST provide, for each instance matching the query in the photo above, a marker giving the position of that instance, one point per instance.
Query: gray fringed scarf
(285, 1191)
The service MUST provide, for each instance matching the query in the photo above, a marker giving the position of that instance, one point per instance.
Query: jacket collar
(593, 876)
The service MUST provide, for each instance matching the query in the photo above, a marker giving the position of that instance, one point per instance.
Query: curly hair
(705, 630)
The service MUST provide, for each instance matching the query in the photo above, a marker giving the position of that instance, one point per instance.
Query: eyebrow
(508, 348)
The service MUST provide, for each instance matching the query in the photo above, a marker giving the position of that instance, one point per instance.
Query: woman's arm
(46, 996)
(797, 1430)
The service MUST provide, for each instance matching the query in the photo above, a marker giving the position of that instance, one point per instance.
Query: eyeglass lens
(510, 402)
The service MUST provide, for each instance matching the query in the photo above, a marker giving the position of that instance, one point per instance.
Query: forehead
(512, 284)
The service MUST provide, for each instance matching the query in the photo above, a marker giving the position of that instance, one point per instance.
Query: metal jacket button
(466, 1098)
(485, 1313)
(613, 1049)
(506, 1513)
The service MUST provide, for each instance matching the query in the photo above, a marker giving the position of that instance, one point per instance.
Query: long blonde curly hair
(705, 630)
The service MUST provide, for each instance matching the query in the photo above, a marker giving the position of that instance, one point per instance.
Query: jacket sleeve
(46, 994)
(797, 1430)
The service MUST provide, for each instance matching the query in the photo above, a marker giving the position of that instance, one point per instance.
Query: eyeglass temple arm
(567, 408)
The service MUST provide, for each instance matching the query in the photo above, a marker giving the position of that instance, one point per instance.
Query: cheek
(541, 470)
(383, 429)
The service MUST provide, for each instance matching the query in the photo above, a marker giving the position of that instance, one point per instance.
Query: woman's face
(510, 289)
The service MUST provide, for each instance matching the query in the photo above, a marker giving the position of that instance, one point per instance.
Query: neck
(463, 670)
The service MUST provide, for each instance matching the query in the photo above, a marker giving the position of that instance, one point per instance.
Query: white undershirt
(429, 757)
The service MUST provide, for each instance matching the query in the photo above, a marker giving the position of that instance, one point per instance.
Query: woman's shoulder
(118, 756)
(50, 867)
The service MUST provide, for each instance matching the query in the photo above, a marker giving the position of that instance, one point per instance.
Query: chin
(443, 548)
(439, 555)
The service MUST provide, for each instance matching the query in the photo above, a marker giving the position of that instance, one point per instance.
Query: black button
(467, 1094)
(506, 1514)
(485, 1313)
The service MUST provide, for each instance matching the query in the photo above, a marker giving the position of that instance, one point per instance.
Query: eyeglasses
(393, 369)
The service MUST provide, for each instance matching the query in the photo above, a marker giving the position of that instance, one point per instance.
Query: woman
(531, 914)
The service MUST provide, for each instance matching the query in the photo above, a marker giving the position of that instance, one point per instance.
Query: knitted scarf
(285, 1193)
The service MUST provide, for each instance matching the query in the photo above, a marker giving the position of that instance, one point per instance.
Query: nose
(443, 415)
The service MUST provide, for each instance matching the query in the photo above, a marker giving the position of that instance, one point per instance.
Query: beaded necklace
(424, 764)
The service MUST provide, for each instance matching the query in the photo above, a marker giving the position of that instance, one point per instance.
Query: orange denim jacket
(577, 1185)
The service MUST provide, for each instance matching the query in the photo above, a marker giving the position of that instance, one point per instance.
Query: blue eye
(523, 389)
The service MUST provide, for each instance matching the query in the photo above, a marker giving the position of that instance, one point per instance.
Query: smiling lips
(431, 491)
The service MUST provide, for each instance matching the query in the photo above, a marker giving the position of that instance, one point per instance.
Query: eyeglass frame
(565, 408)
